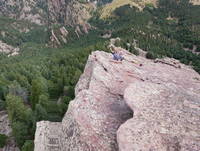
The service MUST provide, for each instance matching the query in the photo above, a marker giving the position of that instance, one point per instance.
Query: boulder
(7, 49)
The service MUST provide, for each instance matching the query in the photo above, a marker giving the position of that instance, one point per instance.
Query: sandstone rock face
(22, 9)
(133, 105)
(70, 12)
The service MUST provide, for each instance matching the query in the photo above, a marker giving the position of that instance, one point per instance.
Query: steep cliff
(136, 104)
(68, 12)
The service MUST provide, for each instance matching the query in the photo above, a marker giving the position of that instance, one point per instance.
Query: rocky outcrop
(84, 29)
(61, 35)
(23, 9)
(70, 12)
(6, 130)
(133, 105)
(7, 49)
(195, 2)
(67, 12)
(58, 36)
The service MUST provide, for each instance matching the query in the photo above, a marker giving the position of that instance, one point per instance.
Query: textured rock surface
(22, 9)
(195, 2)
(68, 12)
(6, 130)
(133, 105)
(49, 135)
(5, 48)
(4, 123)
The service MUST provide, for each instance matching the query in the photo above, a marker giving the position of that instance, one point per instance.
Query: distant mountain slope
(109, 8)
(68, 12)
(15, 32)
(140, 4)
(21, 9)
(170, 29)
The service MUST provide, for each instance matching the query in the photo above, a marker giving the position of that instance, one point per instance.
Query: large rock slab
(133, 105)
(166, 117)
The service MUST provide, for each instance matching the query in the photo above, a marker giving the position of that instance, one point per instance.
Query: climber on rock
(117, 56)
(116, 52)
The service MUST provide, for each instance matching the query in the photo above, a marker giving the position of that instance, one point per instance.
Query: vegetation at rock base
(28, 146)
(3, 139)
(39, 83)
(16, 32)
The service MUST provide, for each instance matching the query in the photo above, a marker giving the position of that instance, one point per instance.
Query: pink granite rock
(132, 105)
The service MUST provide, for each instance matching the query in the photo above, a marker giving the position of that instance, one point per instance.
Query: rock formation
(22, 9)
(6, 130)
(195, 2)
(67, 12)
(61, 35)
(70, 12)
(7, 49)
(133, 105)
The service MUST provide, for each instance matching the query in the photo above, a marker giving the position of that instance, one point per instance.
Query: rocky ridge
(62, 35)
(70, 12)
(136, 104)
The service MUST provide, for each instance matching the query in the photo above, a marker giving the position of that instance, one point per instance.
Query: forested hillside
(39, 83)
(172, 29)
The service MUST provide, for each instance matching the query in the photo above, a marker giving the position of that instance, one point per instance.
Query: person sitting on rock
(117, 54)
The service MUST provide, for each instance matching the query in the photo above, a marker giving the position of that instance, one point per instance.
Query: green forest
(157, 34)
(39, 83)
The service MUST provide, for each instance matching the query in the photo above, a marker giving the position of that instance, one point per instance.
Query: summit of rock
(136, 104)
